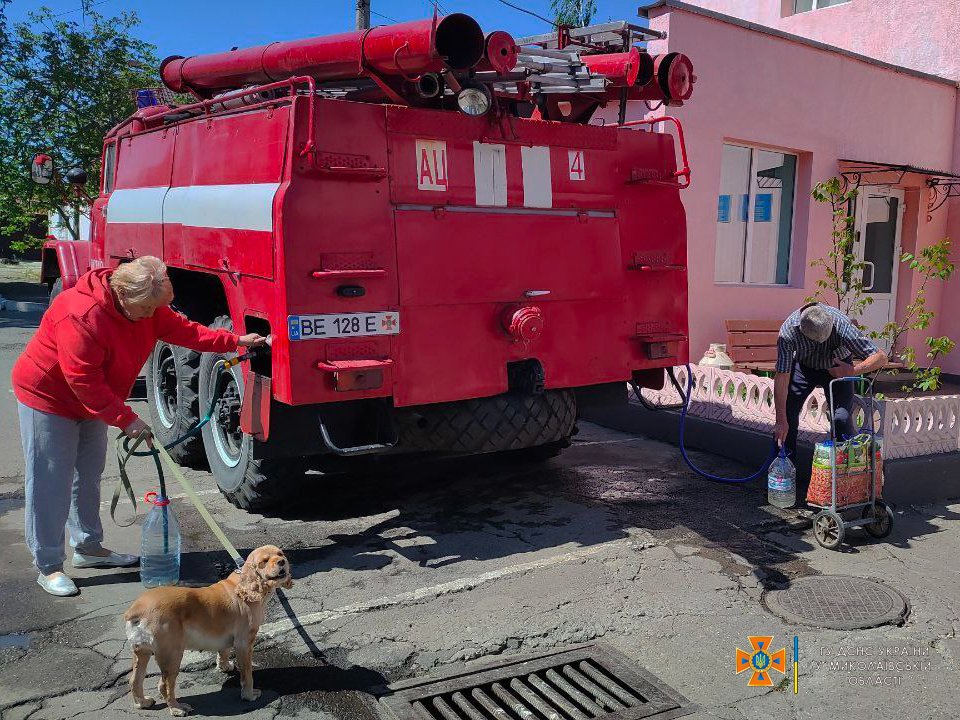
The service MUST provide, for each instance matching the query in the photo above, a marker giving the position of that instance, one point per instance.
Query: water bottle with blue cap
(782, 481)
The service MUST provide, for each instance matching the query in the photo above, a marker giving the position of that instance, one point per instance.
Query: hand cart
(875, 516)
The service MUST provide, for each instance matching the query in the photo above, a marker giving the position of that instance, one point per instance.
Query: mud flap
(255, 411)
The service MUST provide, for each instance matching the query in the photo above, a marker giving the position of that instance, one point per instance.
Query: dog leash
(159, 452)
(198, 504)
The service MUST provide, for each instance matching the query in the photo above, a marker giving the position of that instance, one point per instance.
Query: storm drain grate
(839, 602)
(584, 683)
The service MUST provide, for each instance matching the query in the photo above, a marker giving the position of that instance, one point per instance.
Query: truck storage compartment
(464, 274)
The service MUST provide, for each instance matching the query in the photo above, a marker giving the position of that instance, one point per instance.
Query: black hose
(650, 406)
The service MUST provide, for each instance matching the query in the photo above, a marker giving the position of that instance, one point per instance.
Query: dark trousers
(803, 381)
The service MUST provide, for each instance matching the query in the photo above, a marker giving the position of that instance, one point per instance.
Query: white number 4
(575, 162)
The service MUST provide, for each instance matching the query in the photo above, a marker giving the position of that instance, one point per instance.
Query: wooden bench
(752, 344)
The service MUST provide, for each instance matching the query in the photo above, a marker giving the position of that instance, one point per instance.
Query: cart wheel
(828, 527)
(882, 515)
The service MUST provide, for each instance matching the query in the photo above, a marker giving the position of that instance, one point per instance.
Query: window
(755, 216)
(800, 6)
(109, 166)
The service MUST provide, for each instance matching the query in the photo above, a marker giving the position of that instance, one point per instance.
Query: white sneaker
(108, 561)
(58, 584)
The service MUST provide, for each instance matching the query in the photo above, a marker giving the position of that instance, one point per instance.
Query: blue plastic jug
(782, 482)
(160, 544)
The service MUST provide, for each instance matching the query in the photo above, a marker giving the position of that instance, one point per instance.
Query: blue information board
(723, 209)
(763, 209)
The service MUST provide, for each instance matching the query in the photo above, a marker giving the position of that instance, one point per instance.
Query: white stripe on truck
(230, 207)
(537, 181)
(233, 207)
(140, 205)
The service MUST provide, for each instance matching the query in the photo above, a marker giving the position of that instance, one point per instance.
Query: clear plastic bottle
(160, 544)
(782, 482)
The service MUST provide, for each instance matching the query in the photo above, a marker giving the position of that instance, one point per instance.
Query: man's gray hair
(816, 323)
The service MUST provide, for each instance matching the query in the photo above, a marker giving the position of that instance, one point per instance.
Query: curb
(20, 306)
(907, 481)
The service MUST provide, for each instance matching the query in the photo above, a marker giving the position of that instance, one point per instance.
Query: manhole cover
(587, 682)
(840, 602)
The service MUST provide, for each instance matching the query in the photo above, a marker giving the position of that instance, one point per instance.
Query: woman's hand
(252, 340)
(134, 429)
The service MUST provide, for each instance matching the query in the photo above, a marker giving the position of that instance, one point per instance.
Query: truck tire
(248, 482)
(173, 377)
(513, 421)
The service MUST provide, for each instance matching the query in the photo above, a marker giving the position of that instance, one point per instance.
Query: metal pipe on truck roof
(673, 80)
(500, 52)
(621, 69)
(409, 49)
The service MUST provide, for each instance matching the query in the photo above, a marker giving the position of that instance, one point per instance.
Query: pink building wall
(921, 35)
(918, 34)
(757, 89)
(950, 301)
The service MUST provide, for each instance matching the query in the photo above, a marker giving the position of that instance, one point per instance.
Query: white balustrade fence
(920, 426)
(910, 426)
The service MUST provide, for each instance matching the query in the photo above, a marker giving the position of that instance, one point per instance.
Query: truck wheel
(173, 376)
(248, 482)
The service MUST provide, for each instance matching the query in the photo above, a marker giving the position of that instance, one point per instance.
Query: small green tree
(575, 13)
(63, 85)
(842, 283)
(932, 264)
(842, 287)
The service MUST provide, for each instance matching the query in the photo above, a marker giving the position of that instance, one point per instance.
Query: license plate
(312, 327)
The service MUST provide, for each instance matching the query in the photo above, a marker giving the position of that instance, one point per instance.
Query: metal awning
(942, 183)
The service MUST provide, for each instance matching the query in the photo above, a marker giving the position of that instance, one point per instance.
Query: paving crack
(108, 684)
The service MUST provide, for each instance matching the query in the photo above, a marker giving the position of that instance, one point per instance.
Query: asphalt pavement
(429, 569)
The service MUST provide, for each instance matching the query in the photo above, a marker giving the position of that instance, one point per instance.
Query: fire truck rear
(447, 246)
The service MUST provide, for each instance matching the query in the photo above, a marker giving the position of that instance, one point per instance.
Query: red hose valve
(524, 324)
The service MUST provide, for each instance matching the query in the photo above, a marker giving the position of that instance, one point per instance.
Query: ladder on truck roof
(614, 36)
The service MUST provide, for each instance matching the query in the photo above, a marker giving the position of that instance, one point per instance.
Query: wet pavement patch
(838, 602)
(590, 681)
(20, 641)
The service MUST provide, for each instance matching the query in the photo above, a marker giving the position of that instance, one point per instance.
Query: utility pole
(363, 14)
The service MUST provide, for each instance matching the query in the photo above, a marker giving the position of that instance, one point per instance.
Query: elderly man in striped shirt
(818, 343)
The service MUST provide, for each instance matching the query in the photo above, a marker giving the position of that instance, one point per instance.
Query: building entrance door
(879, 216)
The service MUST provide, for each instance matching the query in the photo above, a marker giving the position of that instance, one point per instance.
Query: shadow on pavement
(442, 513)
(304, 682)
(107, 577)
(20, 320)
(24, 291)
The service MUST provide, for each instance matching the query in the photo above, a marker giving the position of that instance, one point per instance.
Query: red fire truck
(448, 247)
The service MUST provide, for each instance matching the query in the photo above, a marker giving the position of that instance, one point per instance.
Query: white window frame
(110, 152)
(748, 235)
(816, 6)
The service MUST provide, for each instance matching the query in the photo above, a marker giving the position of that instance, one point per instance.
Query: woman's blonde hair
(141, 280)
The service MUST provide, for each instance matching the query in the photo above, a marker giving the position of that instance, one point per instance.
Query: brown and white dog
(165, 621)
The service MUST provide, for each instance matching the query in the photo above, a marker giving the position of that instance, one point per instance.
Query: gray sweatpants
(64, 461)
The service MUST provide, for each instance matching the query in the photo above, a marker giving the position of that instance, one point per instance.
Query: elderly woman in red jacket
(71, 383)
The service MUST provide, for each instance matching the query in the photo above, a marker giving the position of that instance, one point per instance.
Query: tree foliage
(575, 13)
(842, 286)
(842, 281)
(932, 263)
(63, 85)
